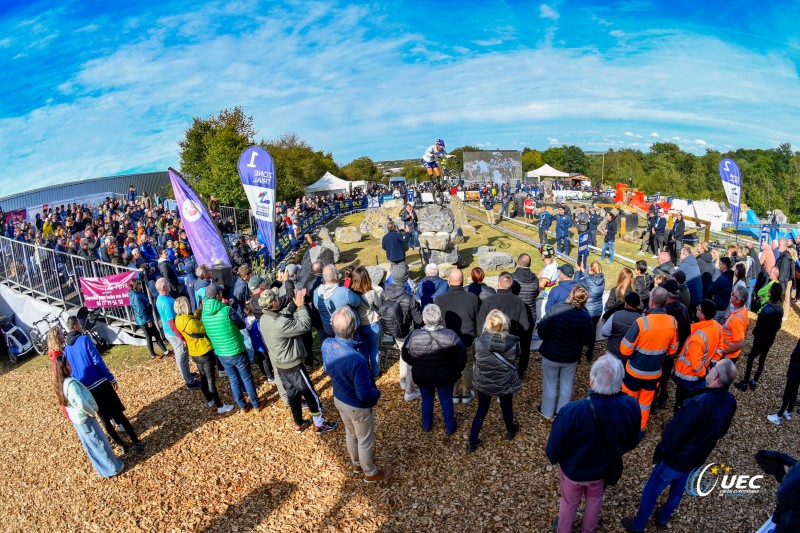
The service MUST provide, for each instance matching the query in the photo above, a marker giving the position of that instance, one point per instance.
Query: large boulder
(347, 235)
(323, 254)
(485, 249)
(457, 236)
(374, 223)
(459, 209)
(434, 241)
(444, 269)
(496, 260)
(324, 234)
(377, 275)
(467, 230)
(440, 257)
(435, 218)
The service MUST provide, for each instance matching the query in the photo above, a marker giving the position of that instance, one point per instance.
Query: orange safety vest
(733, 330)
(649, 340)
(699, 349)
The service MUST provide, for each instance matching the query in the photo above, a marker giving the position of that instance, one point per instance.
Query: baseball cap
(567, 270)
(399, 274)
(254, 282)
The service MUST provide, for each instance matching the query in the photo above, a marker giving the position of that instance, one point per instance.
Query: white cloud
(617, 33)
(552, 140)
(632, 135)
(547, 12)
(701, 142)
(488, 42)
(655, 134)
(5, 43)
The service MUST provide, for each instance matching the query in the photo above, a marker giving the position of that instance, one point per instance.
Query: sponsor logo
(707, 478)
(263, 197)
(191, 211)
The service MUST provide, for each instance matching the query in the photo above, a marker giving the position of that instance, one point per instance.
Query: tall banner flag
(257, 172)
(732, 183)
(206, 241)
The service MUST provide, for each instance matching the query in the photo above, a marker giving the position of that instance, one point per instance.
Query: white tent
(328, 184)
(547, 171)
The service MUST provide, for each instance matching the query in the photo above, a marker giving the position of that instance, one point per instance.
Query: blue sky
(102, 88)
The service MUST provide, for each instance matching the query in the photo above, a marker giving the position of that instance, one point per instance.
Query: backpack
(393, 320)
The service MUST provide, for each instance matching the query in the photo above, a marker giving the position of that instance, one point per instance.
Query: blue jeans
(562, 243)
(610, 247)
(370, 340)
(97, 448)
(446, 401)
(248, 346)
(238, 369)
(662, 477)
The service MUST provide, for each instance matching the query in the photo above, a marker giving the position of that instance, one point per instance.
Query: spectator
(253, 313)
(521, 324)
(595, 284)
(609, 237)
(705, 262)
(588, 439)
(167, 270)
(488, 206)
(204, 277)
(790, 389)
(619, 322)
(767, 325)
(548, 277)
(282, 331)
(686, 443)
(370, 330)
(734, 329)
(643, 282)
(562, 290)
(394, 244)
(616, 296)
(694, 277)
(665, 264)
(411, 220)
(200, 350)
(677, 236)
(495, 374)
(526, 286)
(143, 314)
(460, 311)
(651, 338)
(89, 368)
(166, 310)
(330, 297)
(564, 332)
(594, 222)
(354, 394)
(399, 325)
(659, 232)
(223, 326)
(431, 286)
(785, 265)
(82, 410)
(436, 356)
(544, 220)
(763, 293)
(720, 289)
(478, 287)
(680, 313)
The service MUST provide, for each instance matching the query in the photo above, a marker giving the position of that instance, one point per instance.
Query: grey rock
(347, 234)
(435, 218)
(457, 236)
(434, 241)
(324, 234)
(468, 230)
(484, 249)
(439, 256)
(495, 260)
(444, 269)
(376, 275)
(323, 254)
(459, 210)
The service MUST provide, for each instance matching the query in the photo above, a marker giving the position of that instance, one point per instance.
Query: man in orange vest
(735, 326)
(651, 338)
(699, 349)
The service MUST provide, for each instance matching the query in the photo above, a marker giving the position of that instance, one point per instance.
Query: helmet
(440, 143)
(547, 251)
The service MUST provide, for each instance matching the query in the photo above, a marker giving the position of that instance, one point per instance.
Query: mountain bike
(38, 333)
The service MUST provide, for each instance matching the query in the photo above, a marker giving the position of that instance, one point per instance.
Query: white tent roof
(547, 170)
(328, 182)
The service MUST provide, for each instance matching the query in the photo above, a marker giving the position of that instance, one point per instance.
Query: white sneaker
(787, 415)
(403, 383)
(211, 403)
(224, 409)
(457, 399)
(775, 419)
(467, 399)
(411, 396)
(654, 257)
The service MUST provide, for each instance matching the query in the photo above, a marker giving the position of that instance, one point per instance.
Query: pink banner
(15, 217)
(108, 291)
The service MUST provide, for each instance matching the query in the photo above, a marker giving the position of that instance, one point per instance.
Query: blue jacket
(694, 279)
(148, 252)
(575, 440)
(87, 365)
(559, 294)
(720, 290)
(142, 310)
(563, 223)
(545, 220)
(596, 285)
(395, 246)
(349, 371)
(329, 298)
(429, 288)
(693, 432)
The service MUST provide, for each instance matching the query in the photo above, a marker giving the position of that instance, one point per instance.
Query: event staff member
(698, 351)
(678, 231)
(735, 327)
(544, 220)
(594, 222)
(651, 338)
(528, 207)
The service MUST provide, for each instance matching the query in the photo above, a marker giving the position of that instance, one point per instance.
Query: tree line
(211, 147)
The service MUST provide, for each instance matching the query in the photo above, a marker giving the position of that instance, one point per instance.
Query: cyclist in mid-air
(431, 156)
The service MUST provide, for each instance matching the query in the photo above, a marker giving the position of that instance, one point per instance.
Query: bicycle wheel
(12, 356)
(38, 341)
(450, 178)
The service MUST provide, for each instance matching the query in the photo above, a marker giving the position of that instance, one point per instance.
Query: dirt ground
(240, 472)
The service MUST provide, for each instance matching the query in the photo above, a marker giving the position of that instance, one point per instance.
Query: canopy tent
(328, 184)
(547, 171)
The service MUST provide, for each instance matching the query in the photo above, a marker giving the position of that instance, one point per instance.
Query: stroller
(88, 320)
(16, 342)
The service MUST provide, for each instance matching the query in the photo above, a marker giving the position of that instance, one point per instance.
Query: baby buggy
(15, 340)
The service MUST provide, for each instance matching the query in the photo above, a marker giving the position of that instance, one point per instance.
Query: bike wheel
(12, 357)
(38, 341)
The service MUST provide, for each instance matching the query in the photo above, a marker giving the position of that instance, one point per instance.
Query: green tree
(574, 159)
(531, 159)
(413, 171)
(554, 156)
(297, 165)
(361, 168)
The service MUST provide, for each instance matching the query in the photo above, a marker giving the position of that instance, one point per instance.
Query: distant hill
(393, 167)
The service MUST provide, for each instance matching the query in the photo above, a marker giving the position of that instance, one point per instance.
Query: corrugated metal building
(150, 182)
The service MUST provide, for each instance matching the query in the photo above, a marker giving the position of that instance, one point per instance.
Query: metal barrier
(242, 218)
(54, 277)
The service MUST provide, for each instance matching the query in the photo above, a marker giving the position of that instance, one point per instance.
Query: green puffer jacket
(281, 333)
(225, 336)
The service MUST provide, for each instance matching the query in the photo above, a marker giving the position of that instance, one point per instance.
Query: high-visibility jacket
(649, 340)
(698, 351)
(733, 330)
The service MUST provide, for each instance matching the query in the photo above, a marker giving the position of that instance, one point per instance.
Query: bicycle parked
(38, 333)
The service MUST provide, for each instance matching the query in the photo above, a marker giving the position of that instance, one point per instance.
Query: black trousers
(663, 381)
(298, 388)
(525, 353)
(590, 349)
(759, 350)
(151, 332)
(789, 396)
(109, 407)
(484, 401)
(207, 365)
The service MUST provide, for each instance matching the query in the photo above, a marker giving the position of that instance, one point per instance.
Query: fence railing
(54, 277)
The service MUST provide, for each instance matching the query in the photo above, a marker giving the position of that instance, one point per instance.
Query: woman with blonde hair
(495, 374)
(616, 296)
(370, 328)
(564, 331)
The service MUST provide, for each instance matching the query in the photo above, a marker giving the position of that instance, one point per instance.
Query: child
(259, 348)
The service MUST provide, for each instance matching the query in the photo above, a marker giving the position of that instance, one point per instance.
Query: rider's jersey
(431, 155)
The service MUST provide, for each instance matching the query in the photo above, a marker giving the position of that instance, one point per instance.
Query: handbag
(614, 472)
